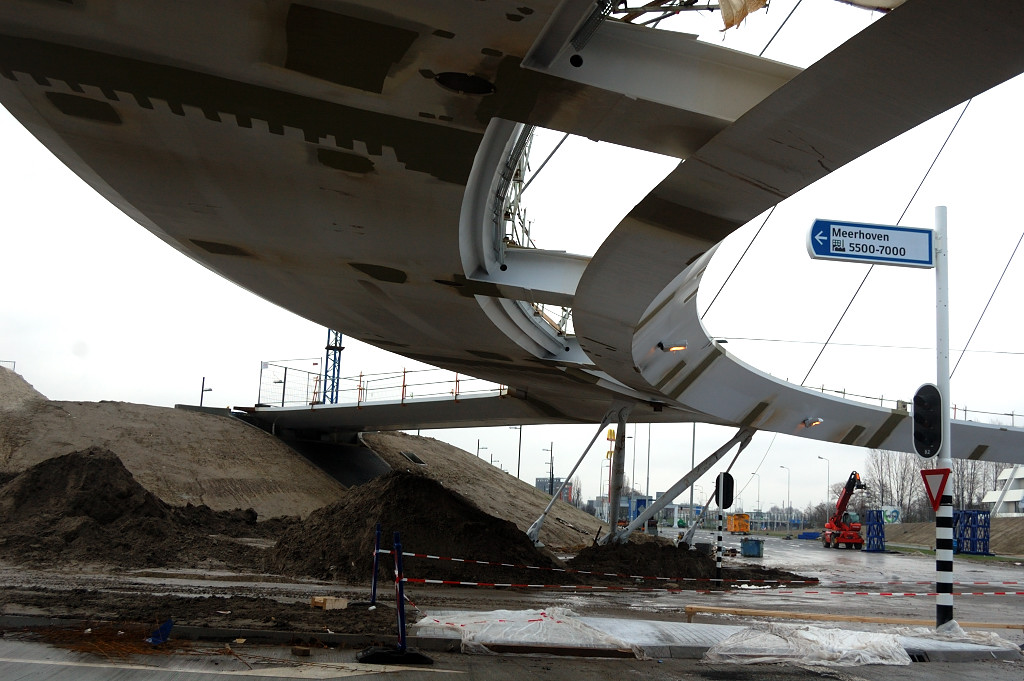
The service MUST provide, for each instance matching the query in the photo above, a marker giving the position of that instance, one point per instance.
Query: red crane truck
(844, 527)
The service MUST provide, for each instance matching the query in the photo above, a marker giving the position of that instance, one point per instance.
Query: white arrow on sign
(935, 484)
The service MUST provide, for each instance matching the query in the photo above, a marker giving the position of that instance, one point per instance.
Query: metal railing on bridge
(282, 385)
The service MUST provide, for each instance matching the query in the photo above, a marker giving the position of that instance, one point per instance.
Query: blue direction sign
(879, 244)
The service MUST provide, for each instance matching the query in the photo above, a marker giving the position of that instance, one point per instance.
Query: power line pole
(551, 470)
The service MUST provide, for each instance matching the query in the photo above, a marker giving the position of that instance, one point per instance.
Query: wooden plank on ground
(692, 610)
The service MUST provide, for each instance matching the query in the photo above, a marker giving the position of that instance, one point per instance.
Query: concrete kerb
(657, 640)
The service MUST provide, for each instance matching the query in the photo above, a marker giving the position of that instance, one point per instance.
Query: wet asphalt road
(846, 574)
(863, 573)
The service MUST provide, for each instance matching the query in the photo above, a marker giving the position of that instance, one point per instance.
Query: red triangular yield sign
(934, 484)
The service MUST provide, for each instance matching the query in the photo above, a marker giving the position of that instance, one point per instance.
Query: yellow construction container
(738, 523)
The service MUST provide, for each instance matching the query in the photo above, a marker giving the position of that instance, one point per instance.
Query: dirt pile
(181, 456)
(86, 507)
(488, 487)
(15, 391)
(683, 567)
(650, 559)
(230, 612)
(336, 542)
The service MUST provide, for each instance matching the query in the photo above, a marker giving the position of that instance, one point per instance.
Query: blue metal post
(376, 561)
(332, 366)
(399, 593)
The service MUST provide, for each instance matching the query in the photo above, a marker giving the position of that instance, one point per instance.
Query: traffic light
(927, 420)
(724, 485)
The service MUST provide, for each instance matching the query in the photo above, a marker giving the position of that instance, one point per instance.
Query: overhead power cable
(738, 261)
(765, 222)
(989, 302)
(761, 53)
(902, 215)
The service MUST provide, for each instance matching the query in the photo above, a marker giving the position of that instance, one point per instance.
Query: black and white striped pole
(723, 496)
(944, 514)
(718, 541)
(925, 248)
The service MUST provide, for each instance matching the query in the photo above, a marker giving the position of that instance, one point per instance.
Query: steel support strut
(741, 438)
(534, 532)
(618, 470)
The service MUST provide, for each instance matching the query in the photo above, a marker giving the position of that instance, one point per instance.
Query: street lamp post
(700, 491)
(827, 490)
(647, 487)
(758, 509)
(789, 503)
(478, 448)
(551, 469)
(604, 462)
(632, 479)
(203, 390)
(693, 458)
(519, 455)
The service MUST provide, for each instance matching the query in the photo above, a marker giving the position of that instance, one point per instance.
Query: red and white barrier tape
(802, 592)
(858, 582)
(471, 561)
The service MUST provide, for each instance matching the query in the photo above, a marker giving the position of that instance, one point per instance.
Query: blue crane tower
(332, 366)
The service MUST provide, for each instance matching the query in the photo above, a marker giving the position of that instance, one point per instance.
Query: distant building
(550, 486)
(1008, 499)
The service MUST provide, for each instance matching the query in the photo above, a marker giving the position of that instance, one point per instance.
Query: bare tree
(968, 483)
(819, 513)
(577, 492)
(894, 479)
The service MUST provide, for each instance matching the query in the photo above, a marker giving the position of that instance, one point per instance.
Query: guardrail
(288, 386)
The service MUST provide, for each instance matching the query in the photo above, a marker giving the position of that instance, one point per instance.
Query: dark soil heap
(87, 507)
(687, 569)
(649, 559)
(337, 541)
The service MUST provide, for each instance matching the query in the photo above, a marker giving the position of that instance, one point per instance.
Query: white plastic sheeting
(735, 11)
(952, 632)
(808, 645)
(553, 627)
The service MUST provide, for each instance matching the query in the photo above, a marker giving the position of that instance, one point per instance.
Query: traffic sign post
(944, 510)
(875, 244)
(912, 247)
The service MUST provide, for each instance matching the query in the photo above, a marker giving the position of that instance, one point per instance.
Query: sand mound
(15, 391)
(487, 487)
(86, 507)
(181, 456)
(336, 542)
(1006, 535)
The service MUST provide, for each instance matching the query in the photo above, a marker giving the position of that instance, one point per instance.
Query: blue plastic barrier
(971, 532)
(875, 528)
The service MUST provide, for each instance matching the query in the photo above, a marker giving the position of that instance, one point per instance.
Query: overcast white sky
(94, 307)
